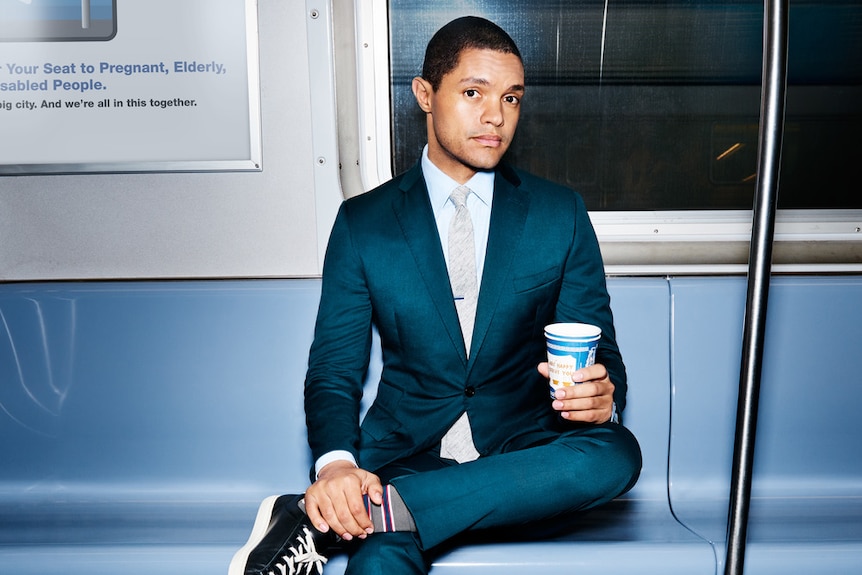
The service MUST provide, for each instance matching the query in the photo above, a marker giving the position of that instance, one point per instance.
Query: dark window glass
(655, 105)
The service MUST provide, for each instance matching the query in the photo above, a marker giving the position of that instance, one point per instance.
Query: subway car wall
(174, 223)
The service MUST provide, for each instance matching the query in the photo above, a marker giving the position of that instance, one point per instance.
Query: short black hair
(445, 47)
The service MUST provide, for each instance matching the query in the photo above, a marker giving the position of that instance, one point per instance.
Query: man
(462, 435)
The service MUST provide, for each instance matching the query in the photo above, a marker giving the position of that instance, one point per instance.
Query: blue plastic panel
(808, 466)
(154, 385)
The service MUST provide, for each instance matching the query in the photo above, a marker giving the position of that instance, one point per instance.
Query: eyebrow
(484, 82)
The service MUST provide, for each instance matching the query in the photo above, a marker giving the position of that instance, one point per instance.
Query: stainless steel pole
(85, 13)
(775, 26)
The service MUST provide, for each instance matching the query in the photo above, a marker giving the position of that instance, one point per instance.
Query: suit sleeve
(339, 354)
(584, 298)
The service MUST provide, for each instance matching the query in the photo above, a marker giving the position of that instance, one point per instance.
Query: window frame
(694, 242)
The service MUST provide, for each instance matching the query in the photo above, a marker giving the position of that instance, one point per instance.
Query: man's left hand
(591, 400)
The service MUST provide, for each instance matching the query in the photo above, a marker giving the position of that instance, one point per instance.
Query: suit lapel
(508, 214)
(416, 218)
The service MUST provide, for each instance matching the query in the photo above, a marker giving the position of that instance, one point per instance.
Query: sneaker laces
(301, 559)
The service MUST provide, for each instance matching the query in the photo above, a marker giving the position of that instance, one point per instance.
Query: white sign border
(252, 163)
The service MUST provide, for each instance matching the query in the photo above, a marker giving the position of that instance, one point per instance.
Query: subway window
(650, 106)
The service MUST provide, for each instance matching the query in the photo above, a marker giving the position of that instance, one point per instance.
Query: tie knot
(459, 196)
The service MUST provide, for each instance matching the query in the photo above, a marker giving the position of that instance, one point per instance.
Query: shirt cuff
(615, 416)
(337, 455)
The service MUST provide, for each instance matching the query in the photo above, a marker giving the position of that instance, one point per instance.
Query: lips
(489, 140)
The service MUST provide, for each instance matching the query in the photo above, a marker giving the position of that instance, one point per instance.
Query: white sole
(261, 524)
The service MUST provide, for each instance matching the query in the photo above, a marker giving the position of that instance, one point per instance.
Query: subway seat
(141, 423)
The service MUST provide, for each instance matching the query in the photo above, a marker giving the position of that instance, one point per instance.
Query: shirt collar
(440, 185)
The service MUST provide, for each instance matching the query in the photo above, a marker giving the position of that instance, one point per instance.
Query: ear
(423, 92)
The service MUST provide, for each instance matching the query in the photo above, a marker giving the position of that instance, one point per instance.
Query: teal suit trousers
(528, 492)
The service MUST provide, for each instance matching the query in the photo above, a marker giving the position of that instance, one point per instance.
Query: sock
(393, 515)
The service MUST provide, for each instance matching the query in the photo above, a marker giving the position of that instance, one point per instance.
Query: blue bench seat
(141, 423)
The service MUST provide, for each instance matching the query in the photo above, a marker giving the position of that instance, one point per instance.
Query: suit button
(470, 391)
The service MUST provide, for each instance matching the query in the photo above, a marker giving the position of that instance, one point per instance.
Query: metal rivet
(321, 160)
(315, 14)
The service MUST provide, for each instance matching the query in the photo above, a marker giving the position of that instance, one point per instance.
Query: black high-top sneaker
(282, 541)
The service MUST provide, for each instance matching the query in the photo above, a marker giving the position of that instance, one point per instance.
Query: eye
(471, 93)
(512, 99)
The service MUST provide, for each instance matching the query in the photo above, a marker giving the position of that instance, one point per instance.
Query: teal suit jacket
(385, 267)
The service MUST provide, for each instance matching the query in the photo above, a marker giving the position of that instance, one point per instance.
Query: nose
(492, 112)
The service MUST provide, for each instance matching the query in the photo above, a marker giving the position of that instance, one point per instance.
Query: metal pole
(85, 13)
(775, 25)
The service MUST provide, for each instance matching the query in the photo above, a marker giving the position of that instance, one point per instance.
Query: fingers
(543, 369)
(593, 409)
(335, 501)
(591, 401)
(374, 489)
(589, 373)
(596, 372)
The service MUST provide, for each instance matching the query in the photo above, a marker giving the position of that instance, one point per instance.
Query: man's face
(472, 116)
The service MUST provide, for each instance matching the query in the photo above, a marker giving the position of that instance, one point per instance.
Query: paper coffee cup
(571, 346)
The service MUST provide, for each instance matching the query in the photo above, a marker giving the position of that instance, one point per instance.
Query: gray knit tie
(458, 444)
(462, 263)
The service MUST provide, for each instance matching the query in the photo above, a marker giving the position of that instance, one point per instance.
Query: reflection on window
(655, 105)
